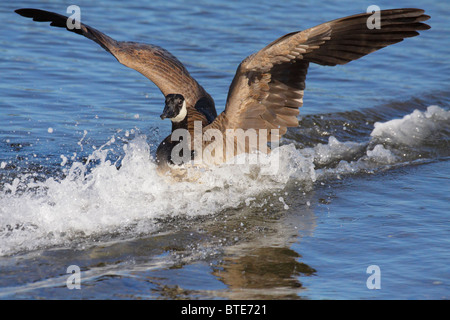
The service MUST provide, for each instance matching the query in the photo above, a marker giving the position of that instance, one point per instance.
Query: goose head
(175, 108)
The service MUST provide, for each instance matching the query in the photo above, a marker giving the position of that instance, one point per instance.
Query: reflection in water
(264, 266)
(237, 254)
(263, 273)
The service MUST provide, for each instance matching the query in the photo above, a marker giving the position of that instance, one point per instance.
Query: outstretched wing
(267, 89)
(154, 62)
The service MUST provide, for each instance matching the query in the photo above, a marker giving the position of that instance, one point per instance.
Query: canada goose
(268, 86)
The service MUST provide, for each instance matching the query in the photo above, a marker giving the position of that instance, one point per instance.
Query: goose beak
(166, 113)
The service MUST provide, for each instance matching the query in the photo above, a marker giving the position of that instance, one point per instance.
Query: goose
(267, 90)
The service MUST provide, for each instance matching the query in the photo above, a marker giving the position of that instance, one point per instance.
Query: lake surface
(364, 179)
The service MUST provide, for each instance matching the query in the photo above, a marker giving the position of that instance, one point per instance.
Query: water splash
(95, 199)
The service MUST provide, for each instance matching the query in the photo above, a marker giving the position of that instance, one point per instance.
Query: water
(364, 178)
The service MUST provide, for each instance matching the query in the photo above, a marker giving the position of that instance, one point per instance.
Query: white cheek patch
(183, 112)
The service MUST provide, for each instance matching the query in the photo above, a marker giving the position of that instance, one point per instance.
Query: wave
(93, 200)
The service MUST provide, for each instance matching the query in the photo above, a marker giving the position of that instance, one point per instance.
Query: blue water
(366, 177)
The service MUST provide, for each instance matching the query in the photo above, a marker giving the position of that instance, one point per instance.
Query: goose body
(267, 90)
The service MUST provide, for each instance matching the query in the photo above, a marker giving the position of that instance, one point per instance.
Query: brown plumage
(155, 63)
(268, 87)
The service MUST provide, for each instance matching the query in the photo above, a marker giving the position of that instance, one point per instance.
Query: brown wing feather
(267, 89)
(154, 62)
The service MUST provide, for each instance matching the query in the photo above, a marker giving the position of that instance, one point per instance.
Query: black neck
(179, 125)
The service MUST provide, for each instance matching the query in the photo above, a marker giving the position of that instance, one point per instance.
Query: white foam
(414, 128)
(104, 200)
(380, 155)
(335, 150)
